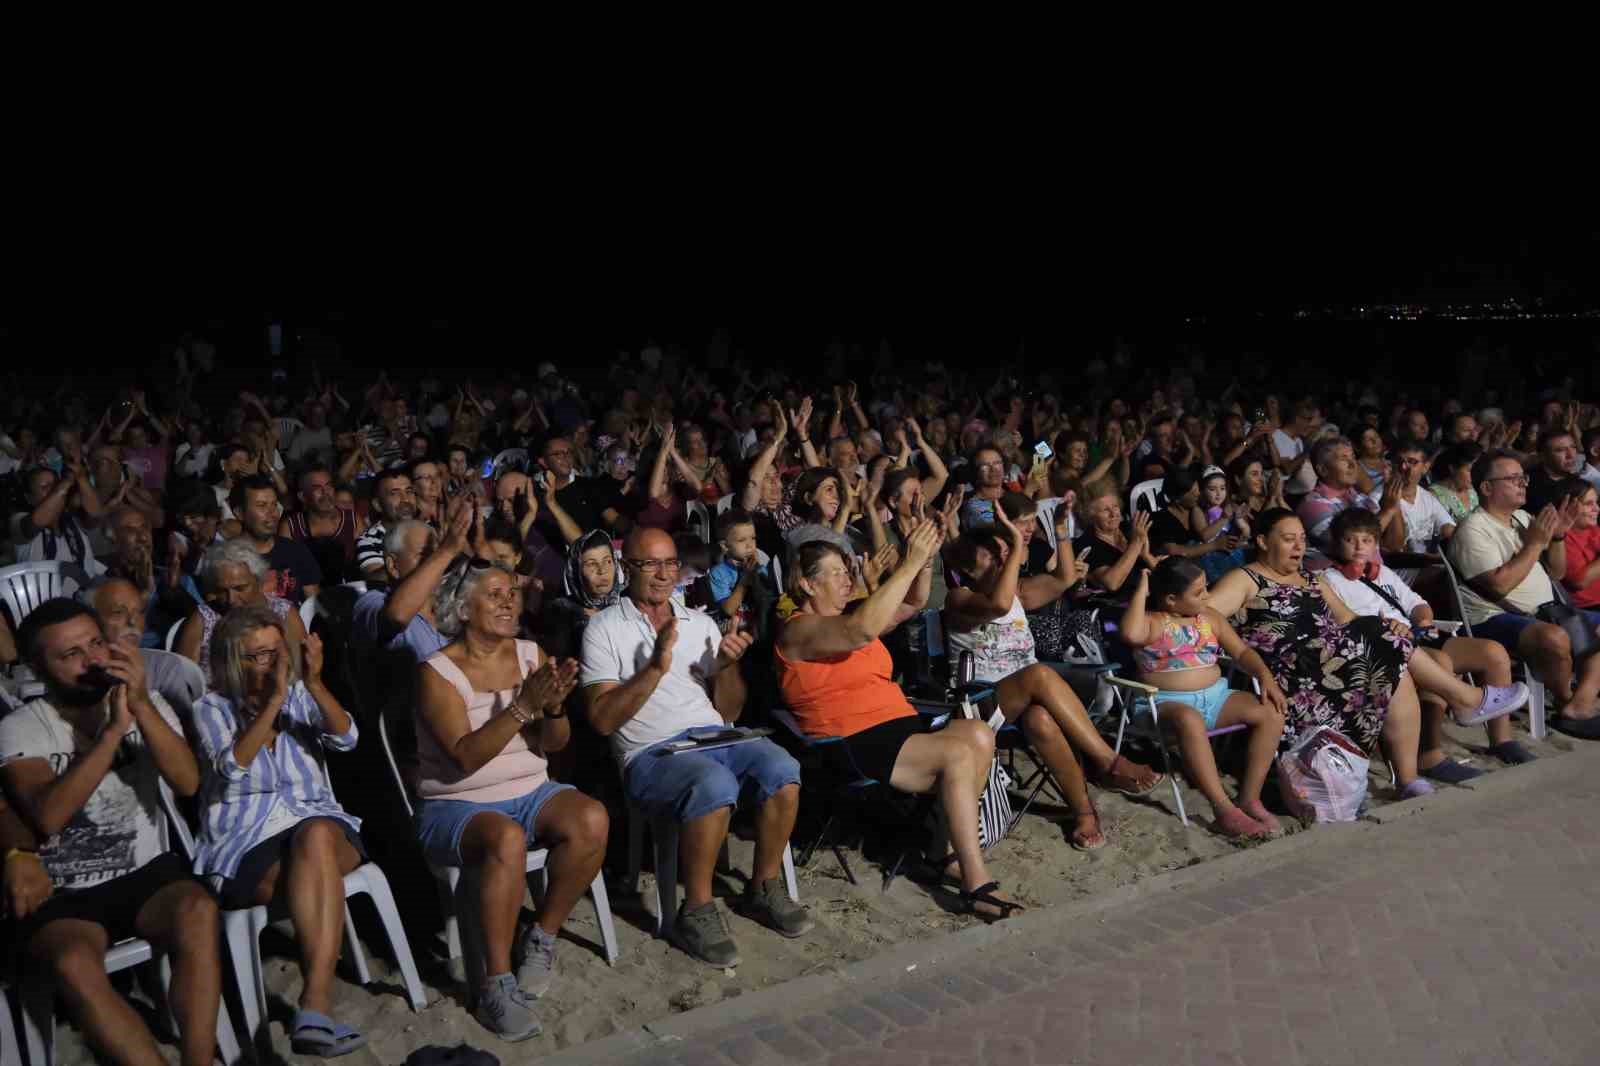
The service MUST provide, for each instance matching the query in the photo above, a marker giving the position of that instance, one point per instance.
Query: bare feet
(1255, 809)
(1234, 823)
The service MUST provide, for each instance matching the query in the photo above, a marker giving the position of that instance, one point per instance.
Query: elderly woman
(985, 616)
(834, 674)
(592, 582)
(272, 832)
(1336, 669)
(1111, 554)
(489, 707)
(231, 575)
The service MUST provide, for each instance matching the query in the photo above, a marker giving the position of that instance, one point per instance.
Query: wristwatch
(552, 714)
(1558, 540)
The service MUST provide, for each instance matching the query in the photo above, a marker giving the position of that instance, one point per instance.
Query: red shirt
(1583, 545)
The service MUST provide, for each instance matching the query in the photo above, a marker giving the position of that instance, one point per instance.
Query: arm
(977, 607)
(408, 598)
(612, 704)
(938, 473)
(854, 401)
(569, 529)
(168, 749)
(686, 472)
(1247, 659)
(1112, 577)
(338, 728)
(808, 636)
(1135, 626)
(47, 802)
(750, 499)
(50, 508)
(658, 474)
(1341, 611)
(444, 715)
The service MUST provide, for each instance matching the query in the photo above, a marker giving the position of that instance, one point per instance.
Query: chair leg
(844, 864)
(805, 855)
(352, 947)
(10, 1050)
(602, 914)
(789, 880)
(238, 929)
(635, 849)
(1535, 707)
(377, 887)
(1166, 765)
(666, 838)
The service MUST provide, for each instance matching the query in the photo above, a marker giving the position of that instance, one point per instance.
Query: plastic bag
(1323, 778)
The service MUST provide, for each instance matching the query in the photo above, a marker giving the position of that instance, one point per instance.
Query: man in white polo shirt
(654, 672)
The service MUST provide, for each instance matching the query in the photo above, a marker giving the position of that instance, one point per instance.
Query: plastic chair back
(508, 460)
(1146, 496)
(25, 586)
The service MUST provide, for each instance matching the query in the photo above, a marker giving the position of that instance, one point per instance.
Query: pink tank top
(516, 771)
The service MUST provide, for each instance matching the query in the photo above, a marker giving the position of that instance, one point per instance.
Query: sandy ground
(652, 979)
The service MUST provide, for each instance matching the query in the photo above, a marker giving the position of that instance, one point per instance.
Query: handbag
(1560, 612)
(995, 816)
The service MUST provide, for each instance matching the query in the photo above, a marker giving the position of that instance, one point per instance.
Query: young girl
(1216, 517)
(1176, 648)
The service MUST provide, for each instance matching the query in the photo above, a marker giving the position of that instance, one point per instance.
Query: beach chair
(1135, 705)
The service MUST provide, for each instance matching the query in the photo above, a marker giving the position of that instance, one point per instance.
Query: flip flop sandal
(1579, 728)
(1128, 783)
(985, 894)
(1073, 836)
(318, 1034)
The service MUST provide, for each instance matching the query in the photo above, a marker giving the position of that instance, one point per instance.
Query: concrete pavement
(1460, 929)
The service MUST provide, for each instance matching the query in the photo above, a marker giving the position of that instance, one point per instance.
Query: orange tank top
(841, 696)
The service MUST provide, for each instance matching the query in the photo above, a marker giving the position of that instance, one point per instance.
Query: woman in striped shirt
(272, 830)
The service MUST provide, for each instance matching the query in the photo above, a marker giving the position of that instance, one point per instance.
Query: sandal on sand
(1123, 776)
(984, 894)
(318, 1034)
(1083, 839)
(1235, 824)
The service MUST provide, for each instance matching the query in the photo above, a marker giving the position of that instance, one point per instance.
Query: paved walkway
(1466, 931)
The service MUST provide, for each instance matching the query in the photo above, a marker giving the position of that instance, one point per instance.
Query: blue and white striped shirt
(238, 801)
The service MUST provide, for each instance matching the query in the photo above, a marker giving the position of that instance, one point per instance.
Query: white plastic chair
(242, 928)
(1147, 494)
(510, 459)
(308, 612)
(10, 1050)
(699, 520)
(1045, 510)
(172, 634)
(725, 504)
(458, 894)
(26, 585)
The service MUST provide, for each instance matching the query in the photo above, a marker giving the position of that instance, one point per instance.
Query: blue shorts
(687, 785)
(1208, 701)
(441, 822)
(1506, 629)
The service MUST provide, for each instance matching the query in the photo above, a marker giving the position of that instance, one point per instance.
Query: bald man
(655, 672)
(120, 608)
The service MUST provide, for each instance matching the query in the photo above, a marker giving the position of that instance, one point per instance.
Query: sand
(652, 979)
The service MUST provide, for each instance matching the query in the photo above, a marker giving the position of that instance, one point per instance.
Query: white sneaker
(1498, 701)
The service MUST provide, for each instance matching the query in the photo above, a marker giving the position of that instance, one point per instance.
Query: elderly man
(119, 606)
(132, 558)
(393, 500)
(82, 765)
(295, 576)
(321, 526)
(1334, 459)
(655, 672)
(1497, 551)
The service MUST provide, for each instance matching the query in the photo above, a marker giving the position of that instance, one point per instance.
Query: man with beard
(81, 764)
(119, 606)
(321, 526)
(295, 576)
(133, 559)
(393, 500)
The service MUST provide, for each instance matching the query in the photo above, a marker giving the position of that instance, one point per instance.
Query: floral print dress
(1342, 676)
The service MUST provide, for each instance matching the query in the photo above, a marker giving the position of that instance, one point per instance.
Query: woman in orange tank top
(833, 672)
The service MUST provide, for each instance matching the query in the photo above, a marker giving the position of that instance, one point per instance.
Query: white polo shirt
(618, 642)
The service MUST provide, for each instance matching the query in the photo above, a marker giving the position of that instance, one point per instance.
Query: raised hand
(312, 658)
(458, 525)
(733, 647)
(122, 720)
(1545, 527)
(1567, 516)
(1010, 527)
(1141, 528)
(666, 637)
(923, 542)
(850, 393)
(780, 424)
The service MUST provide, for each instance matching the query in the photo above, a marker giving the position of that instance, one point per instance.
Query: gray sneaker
(538, 966)
(769, 904)
(703, 933)
(504, 1010)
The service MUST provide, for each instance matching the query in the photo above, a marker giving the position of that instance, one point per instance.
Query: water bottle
(964, 669)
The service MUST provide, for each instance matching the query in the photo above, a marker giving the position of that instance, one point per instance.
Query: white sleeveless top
(516, 771)
(999, 648)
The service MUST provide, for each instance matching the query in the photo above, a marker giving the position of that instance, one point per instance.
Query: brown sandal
(1080, 838)
(1127, 780)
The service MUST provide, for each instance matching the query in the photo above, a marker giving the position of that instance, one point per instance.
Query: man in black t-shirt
(572, 492)
(1558, 460)
(296, 576)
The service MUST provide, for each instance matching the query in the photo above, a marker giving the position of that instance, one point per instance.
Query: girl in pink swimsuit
(1177, 645)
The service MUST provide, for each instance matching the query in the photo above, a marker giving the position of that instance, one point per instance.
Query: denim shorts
(1208, 701)
(442, 822)
(686, 785)
(1506, 629)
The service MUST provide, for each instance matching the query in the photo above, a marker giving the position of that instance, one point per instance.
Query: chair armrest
(1447, 626)
(784, 717)
(1137, 686)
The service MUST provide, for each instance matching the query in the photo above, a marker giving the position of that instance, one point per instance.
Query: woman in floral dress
(1336, 669)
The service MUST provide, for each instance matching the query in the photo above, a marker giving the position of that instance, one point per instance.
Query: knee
(708, 792)
(317, 837)
(1271, 720)
(1037, 723)
(78, 967)
(590, 826)
(1551, 640)
(195, 920)
(507, 844)
(779, 771)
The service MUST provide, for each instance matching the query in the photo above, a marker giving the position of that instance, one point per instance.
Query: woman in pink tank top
(489, 707)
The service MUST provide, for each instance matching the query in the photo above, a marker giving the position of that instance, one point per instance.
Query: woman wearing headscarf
(591, 582)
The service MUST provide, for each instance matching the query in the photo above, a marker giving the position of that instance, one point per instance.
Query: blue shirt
(237, 801)
(723, 577)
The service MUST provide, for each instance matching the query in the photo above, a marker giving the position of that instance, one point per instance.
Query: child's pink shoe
(1236, 824)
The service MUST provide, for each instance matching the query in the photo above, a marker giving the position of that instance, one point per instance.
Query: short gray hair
(227, 640)
(394, 539)
(456, 590)
(236, 552)
(1323, 450)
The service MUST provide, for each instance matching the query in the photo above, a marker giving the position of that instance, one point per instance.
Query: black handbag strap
(1387, 595)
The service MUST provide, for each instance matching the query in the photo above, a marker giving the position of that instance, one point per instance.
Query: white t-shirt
(1426, 520)
(193, 462)
(121, 827)
(619, 641)
(1364, 601)
(1481, 544)
(1287, 447)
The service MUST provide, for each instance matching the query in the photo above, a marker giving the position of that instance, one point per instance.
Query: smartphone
(488, 467)
(1042, 450)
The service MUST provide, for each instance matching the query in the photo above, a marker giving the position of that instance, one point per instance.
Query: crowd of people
(540, 594)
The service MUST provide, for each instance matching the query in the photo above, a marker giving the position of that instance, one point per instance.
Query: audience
(989, 511)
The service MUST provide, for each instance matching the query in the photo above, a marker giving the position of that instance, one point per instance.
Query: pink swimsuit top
(1179, 644)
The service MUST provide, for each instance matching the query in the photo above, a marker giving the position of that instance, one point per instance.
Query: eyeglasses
(561, 454)
(656, 566)
(268, 657)
(991, 466)
(1520, 479)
